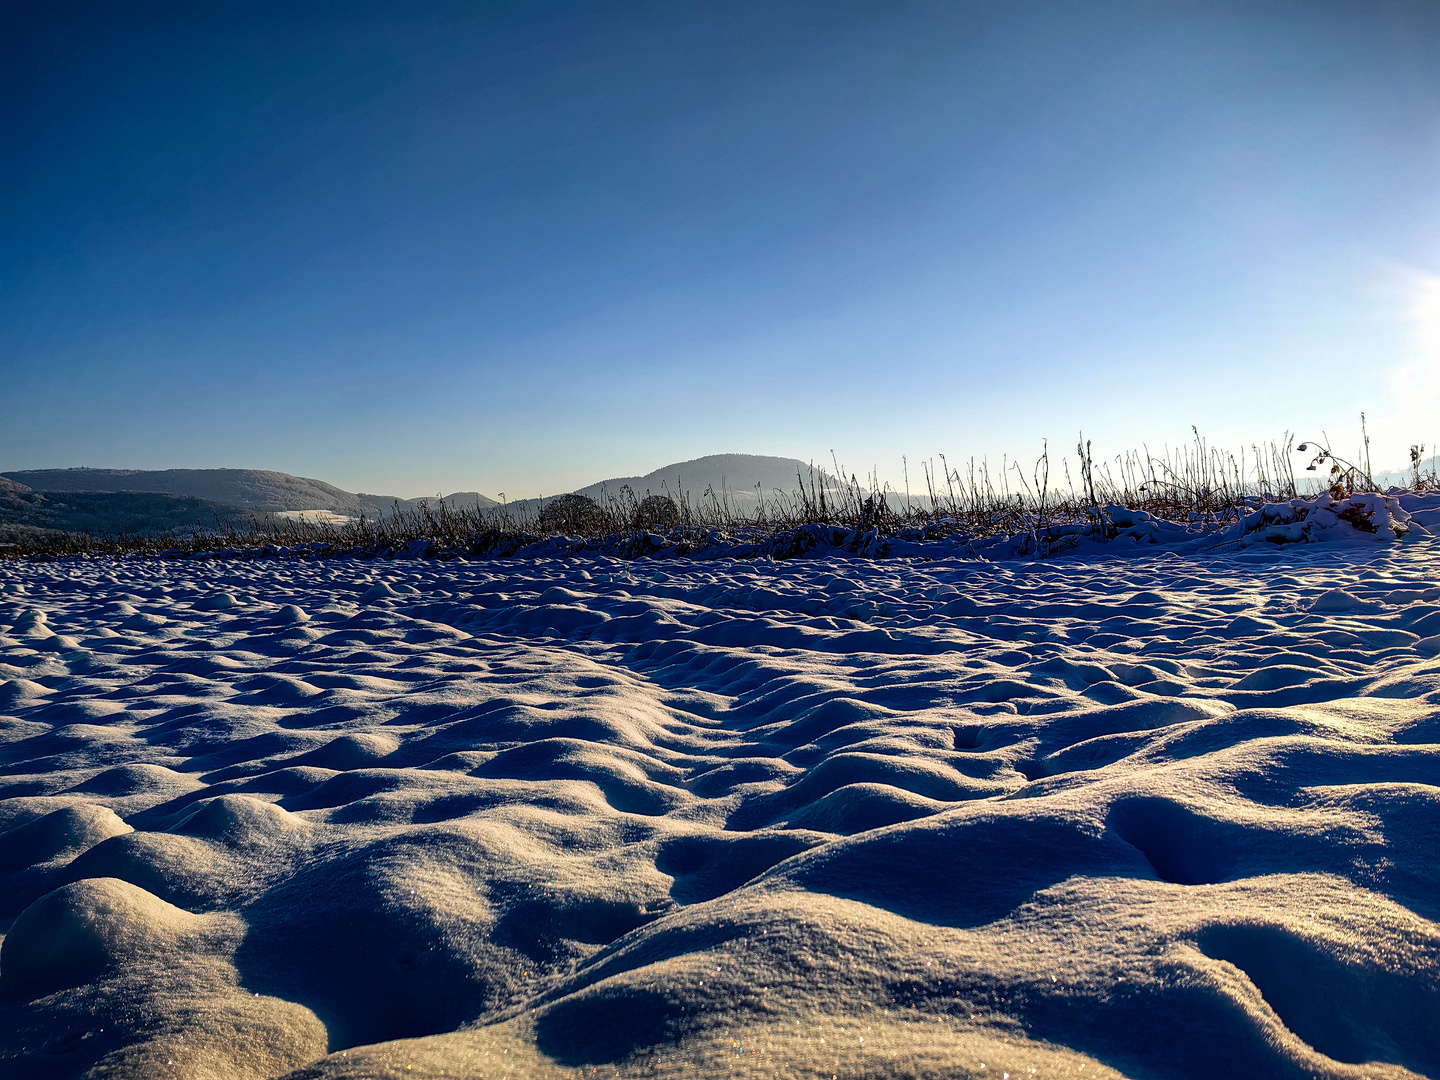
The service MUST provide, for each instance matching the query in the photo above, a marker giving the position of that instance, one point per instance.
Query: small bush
(572, 514)
(657, 512)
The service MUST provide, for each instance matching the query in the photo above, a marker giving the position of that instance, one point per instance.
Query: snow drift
(1169, 815)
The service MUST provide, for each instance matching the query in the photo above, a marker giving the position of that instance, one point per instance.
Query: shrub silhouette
(572, 513)
(658, 512)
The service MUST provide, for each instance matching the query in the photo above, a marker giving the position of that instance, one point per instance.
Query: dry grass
(1197, 485)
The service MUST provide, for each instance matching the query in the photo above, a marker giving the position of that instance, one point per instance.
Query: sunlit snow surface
(1156, 816)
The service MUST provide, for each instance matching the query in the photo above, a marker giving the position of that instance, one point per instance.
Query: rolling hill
(244, 489)
(26, 514)
(738, 474)
(140, 500)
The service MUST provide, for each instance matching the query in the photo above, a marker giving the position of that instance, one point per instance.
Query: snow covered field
(1162, 816)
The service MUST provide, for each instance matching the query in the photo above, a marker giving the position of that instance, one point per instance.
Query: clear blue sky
(411, 247)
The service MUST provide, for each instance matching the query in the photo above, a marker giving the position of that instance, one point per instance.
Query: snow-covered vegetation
(1194, 498)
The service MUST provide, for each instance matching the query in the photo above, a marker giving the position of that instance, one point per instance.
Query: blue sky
(413, 247)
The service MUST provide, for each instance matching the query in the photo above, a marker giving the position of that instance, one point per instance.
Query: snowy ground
(1167, 816)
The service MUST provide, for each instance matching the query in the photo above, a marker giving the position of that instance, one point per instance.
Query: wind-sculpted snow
(1164, 817)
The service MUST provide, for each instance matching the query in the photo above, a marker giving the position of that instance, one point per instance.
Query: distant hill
(248, 489)
(26, 514)
(244, 489)
(141, 500)
(736, 473)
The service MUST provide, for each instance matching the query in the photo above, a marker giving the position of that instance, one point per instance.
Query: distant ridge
(738, 478)
(246, 489)
(737, 474)
(27, 515)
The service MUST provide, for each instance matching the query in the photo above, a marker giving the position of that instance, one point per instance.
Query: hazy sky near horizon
(412, 247)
